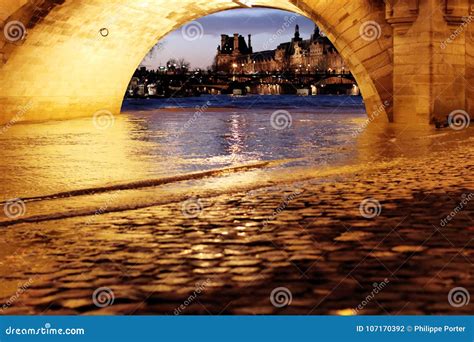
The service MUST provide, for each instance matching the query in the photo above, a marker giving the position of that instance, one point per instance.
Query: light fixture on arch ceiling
(247, 3)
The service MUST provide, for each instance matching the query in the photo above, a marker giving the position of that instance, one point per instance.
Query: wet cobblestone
(238, 251)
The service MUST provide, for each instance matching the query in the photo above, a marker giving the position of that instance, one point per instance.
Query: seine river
(163, 137)
(157, 139)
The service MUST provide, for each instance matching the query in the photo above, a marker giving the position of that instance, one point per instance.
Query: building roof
(245, 51)
(227, 45)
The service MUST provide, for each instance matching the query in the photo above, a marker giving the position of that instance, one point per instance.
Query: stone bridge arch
(64, 67)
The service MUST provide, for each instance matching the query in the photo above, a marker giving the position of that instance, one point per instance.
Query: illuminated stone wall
(64, 67)
(469, 77)
(432, 58)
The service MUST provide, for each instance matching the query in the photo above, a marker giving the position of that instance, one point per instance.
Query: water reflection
(384, 142)
(152, 143)
(236, 135)
(149, 142)
(40, 158)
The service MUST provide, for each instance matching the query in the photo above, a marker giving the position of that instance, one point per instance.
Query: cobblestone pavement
(304, 248)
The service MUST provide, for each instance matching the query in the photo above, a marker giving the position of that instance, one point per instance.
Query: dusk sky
(200, 50)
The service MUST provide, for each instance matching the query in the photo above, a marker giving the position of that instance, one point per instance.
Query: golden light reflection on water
(60, 156)
(345, 312)
(388, 141)
(45, 158)
(236, 133)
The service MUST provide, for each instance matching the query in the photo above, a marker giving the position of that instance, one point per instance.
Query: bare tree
(183, 64)
(155, 50)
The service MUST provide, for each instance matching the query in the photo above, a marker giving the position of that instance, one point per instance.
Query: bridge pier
(432, 59)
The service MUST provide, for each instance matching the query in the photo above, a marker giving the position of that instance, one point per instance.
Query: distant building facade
(317, 54)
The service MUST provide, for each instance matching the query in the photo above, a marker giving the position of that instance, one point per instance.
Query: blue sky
(200, 50)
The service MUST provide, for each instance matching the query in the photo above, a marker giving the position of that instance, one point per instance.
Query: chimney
(250, 42)
(236, 42)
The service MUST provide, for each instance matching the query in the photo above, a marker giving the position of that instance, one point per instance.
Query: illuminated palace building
(316, 54)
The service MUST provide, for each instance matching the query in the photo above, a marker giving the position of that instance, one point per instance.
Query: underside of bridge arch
(63, 67)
